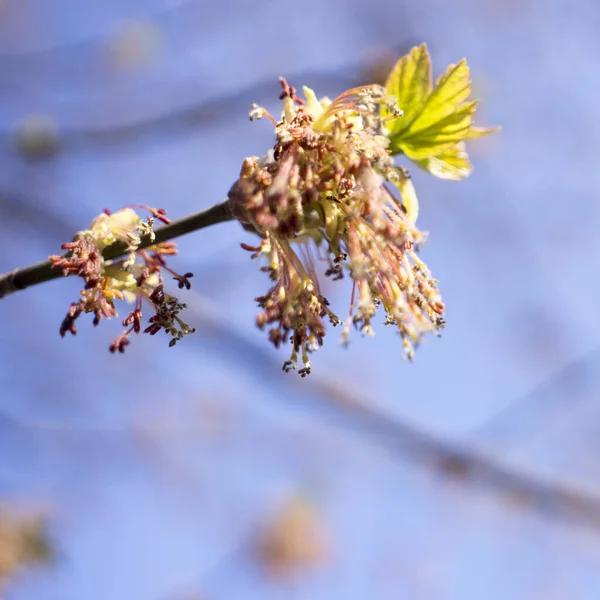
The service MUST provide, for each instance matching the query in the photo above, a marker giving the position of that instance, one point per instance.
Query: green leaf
(441, 136)
(452, 164)
(477, 132)
(449, 92)
(447, 128)
(410, 83)
(437, 118)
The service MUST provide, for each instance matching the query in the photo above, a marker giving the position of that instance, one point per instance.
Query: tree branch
(19, 279)
(180, 120)
(349, 410)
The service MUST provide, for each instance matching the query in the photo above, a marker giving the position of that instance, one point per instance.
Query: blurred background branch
(473, 473)
(42, 137)
(357, 413)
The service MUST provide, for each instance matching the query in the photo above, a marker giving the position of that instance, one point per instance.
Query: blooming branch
(322, 195)
(328, 192)
(137, 277)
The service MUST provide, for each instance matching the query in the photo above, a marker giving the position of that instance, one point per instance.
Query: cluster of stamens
(136, 276)
(324, 194)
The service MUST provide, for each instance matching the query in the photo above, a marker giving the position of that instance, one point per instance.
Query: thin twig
(172, 121)
(19, 279)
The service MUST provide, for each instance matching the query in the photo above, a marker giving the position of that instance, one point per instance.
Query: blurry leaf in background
(437, 118)
(292, 539)
(37, 137)
(136, 44)
(23, 541)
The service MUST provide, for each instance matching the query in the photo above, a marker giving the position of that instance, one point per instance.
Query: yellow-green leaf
(449, 92)
(451, 164)
(442, 136)
(410, 83)
(437, 118)
(449, 128)
(477, 132)
(422, 151)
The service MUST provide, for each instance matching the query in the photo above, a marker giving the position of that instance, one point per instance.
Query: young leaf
(410, 83)
(451, 164)
(437, 118)
(449, 92)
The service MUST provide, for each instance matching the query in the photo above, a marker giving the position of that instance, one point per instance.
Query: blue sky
(158, 467)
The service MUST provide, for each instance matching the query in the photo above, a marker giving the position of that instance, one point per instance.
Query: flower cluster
(325, 194)
(136, 276)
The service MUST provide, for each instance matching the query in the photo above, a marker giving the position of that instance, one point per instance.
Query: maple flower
(325, 194)
(136, 278)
